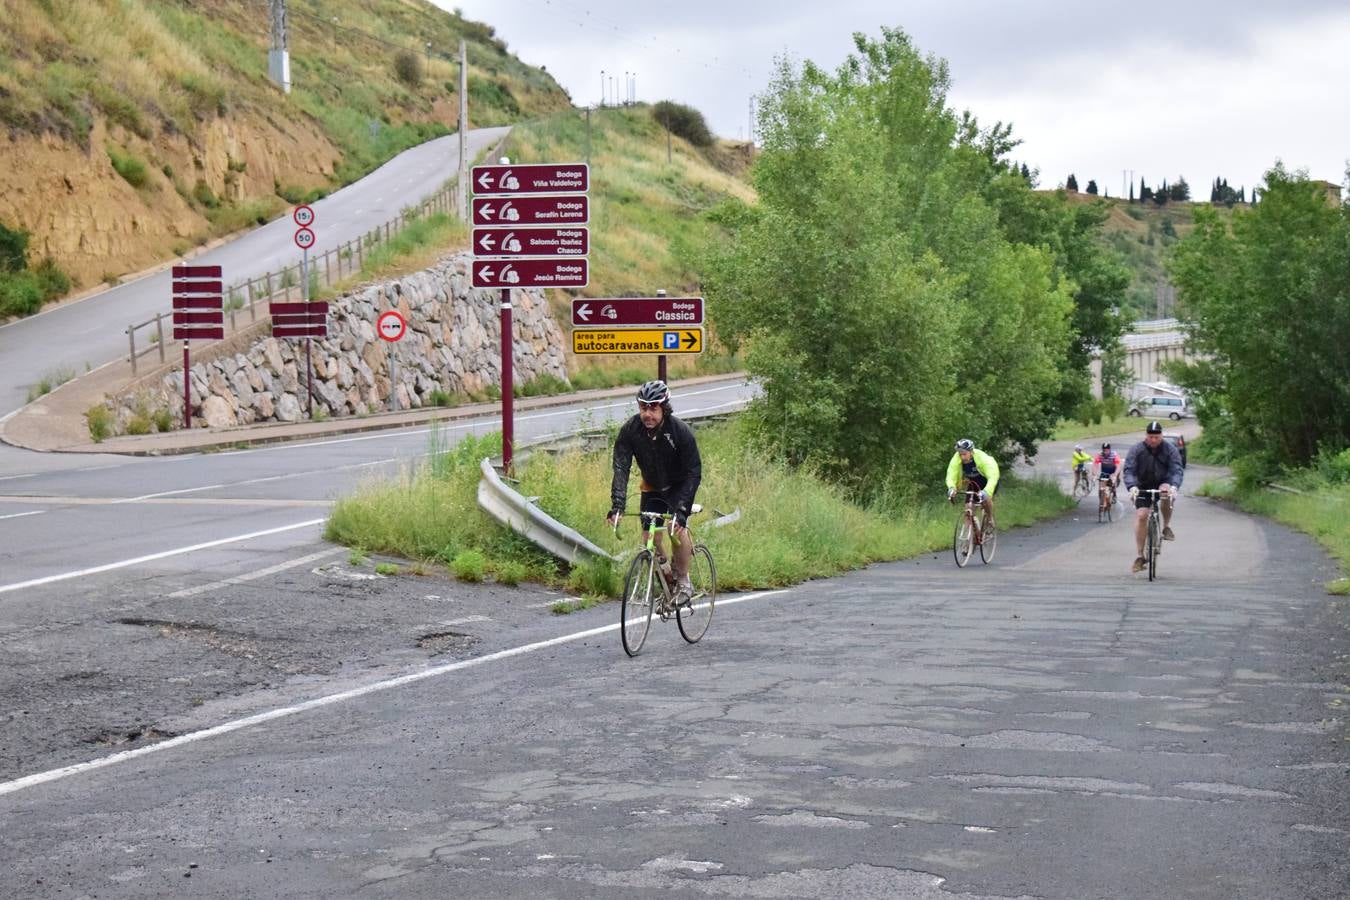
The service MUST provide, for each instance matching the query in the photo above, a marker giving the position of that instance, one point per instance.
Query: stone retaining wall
(451, 345)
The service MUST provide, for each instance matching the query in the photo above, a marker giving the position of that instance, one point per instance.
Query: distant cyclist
(971, 465)
(1106, 466)
(1152, 464)
(1079, 463)
(668, 458)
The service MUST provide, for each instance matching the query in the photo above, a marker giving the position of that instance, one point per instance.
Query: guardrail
(520, 514)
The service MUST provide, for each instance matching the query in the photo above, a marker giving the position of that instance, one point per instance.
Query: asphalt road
(1048, 725)
(88, 333)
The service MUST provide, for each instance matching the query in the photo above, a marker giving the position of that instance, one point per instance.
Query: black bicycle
(1153, 532)
(650, 588)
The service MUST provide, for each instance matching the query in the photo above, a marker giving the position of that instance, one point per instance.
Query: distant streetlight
(335, 24)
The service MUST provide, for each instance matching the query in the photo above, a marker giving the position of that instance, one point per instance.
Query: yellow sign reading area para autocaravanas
(637, 340)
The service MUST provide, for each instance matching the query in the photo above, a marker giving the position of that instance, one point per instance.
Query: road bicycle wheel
(963, 540)
(635, 617)
(988, 541)
(695, 616)
(1080, 488)
(1151, 540)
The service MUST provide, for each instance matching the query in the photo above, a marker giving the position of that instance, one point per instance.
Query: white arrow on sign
(485, 180)
(486, 210)
(584, 312)
(487, 242)
(486, 273)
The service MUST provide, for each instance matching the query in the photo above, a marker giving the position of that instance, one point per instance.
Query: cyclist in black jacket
(667, 457)
(1152, 464)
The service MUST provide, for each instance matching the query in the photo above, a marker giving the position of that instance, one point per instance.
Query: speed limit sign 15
(303, 216)
(304, 238)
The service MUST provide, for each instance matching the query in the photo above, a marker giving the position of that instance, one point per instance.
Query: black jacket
(668, 460)
(1148, 469)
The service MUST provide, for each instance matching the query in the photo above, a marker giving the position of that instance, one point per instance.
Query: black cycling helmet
(1154, 427)
(1106, 446)
(965, 444)
(653, 392)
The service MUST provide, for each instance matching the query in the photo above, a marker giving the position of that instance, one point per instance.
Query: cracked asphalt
(1045, 726)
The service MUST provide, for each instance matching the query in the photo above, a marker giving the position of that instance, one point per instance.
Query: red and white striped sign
(198, 304)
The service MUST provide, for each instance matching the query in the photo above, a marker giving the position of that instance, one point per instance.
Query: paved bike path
(1046, 726)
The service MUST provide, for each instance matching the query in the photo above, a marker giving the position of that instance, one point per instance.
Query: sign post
(508, 254)
(391, 327)
(198, 312)
(304, 239)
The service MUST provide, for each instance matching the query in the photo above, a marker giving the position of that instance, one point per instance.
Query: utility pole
(279, 58)
(335, 24)
(463, 130)
(602, 88)
(428, 59)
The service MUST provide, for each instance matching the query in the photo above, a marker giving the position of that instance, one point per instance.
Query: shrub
(683, 121)
(511, 572)
(408, 68)
(163, 419)
(131, 169)
(13, 249)
(50, 279)
(100, 423)
(20, 294)
(469, 565)
(202, 193)
(138, 424)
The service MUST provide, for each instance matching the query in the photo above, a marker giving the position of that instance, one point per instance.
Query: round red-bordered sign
(303, 216)
(304, 238)
(390, 326)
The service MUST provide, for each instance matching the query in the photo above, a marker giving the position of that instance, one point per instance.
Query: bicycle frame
(692, 611)
(1153, 531)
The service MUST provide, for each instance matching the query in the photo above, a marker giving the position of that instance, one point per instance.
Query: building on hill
(1333, 192)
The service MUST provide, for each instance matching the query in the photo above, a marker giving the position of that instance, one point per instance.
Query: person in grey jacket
(1152, 464)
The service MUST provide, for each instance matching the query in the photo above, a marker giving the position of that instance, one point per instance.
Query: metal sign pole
(309, 377)
(661, 360)
(508, 389)
(187, 389)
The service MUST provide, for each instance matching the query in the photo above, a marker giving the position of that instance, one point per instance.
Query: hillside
(1141, 233)
(136, 129)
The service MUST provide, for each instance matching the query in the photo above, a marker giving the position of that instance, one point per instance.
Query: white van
(1174, 408)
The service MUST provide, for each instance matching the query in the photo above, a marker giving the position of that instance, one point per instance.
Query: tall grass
(793, 525)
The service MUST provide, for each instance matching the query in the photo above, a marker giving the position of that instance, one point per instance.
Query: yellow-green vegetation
(100, 422)
(49, 382)
(1071, 430)
(151, 65)
(793, 525)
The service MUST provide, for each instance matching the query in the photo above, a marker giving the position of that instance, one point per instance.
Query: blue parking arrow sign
(671, 340)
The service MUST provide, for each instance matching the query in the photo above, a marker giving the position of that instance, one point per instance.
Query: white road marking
(250, 576)
(64, 576)
(211, 487)
(28, 781)
(36, 512)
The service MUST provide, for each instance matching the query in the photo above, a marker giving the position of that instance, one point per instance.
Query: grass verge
(793, 525)
(1071, 430)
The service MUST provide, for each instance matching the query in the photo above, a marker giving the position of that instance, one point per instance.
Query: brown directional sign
(525, 273)
(667, 311)
(305, 319)
(547, 178)
(193, 333)
(531, 241)
(198, 304)
(196, 272)
(505, 212)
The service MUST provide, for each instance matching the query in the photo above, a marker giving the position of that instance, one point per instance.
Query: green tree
(1268, 302)
(1092, 187)
(872, 289)
(1072, 183)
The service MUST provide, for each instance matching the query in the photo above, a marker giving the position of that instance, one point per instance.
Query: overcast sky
(1196, 88)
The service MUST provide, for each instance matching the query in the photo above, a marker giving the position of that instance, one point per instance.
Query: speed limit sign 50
(304, 238)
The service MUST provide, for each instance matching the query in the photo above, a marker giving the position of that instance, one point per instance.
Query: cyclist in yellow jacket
(1079, 463)
(971, 465)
